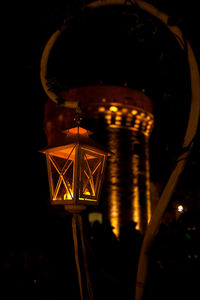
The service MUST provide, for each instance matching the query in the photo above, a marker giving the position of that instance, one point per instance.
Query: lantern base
(74, 208)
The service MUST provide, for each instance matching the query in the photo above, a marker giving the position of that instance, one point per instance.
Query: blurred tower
(122, 118)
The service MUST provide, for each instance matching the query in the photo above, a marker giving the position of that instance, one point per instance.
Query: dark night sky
(28, 27)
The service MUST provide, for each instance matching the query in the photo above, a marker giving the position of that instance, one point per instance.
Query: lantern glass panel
(61, 173)
(91, 173)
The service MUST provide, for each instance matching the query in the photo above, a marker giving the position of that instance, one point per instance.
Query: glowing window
(101, 109)
(117, 122)
(124, 110)
(134, 112)
(113, 108)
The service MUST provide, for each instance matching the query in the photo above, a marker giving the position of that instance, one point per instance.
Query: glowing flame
(87, 193)
(113, 108)
(68, 196)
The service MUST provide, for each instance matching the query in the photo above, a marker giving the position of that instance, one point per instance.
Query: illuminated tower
(122, 118)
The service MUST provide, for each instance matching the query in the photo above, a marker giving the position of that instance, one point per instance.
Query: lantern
(75, 169)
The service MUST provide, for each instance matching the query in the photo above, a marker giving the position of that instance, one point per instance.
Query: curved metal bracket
(43, 72)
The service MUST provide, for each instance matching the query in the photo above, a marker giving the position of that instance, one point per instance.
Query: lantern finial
(78, 115)
(77, 118)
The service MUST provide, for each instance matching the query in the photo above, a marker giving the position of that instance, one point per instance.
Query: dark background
(26, 216)
(27, 27)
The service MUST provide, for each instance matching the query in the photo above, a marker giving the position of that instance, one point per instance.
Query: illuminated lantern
(75, 169)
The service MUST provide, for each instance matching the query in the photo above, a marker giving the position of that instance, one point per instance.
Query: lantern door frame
(49, 154)
(100, 167)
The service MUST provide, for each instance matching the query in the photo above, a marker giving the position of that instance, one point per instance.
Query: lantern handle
(43, 72)
(77, 118)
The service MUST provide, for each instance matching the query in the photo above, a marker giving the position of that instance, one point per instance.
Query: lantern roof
(77, 130)
(75, 135)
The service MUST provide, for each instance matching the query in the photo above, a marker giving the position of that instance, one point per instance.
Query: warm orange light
(87, 193)
(101, 109)
(135, 203)
(148, 195)
(78, 130)
(119, 113)
(134, 112)
(68, 196)
(114, 211)
(113, 108)
(117, 123)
